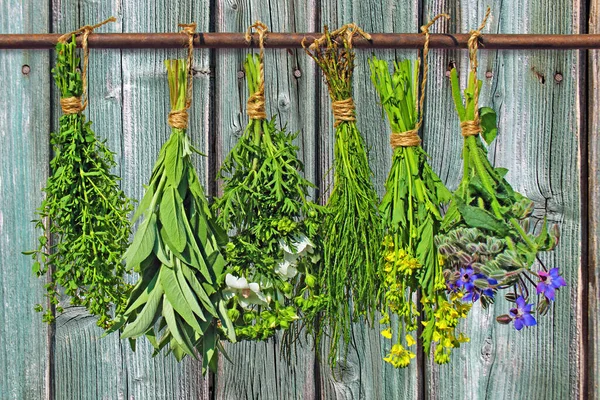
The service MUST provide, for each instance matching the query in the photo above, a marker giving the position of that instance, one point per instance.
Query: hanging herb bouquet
(86, 211)
(177, 249)
(352, 233)
(487, 239)
(272, 250)
(411, 216)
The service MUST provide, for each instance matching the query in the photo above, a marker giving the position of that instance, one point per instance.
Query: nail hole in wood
(297, 73)
(25, 69)
(241, 74)
(489, 74)
(558, 77)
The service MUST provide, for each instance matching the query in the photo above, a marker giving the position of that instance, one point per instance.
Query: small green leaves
(86, 209)
(487, 120)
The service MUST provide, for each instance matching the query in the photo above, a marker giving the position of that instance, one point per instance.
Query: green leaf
(226, 321)
(180, 343)
(487, 120)
(187, 292)
(171, 219)
(144, 296)
(478, 218)
(176, 298)
(144, 319)
(143, 242)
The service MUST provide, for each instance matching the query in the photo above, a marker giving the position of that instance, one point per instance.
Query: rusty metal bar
(294, 40)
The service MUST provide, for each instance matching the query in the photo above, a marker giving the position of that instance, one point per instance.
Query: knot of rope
(255, 107)
(178, 119)
(68, 104)
(470, 128)
(343, 110)
(405, 139)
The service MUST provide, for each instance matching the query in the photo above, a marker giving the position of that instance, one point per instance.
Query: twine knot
(470, 128)
(178, 119)
(343, 110)
(255, 107)
(71, 105)
(405, 139)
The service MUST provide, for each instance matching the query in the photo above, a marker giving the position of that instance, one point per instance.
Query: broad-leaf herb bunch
(273, 226)
(488, 240)
(352, 231)
(86, 211)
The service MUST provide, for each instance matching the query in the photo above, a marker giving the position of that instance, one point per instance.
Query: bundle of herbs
(264, 204)
(351, 232)
(488, 238)
(177, 250)
(411, 217)
(84, 213)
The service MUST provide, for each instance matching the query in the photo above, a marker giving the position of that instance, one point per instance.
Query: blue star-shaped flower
(521, 315)
(549, 282)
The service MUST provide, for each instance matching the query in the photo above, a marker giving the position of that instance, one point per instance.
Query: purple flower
(549, 282)
(521, 315)
(466, 281)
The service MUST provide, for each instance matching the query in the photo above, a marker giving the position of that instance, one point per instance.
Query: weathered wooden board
(129, 105)
(591, 266)
(259, 369)
(538, 140)
(24, 118)
(364, 374)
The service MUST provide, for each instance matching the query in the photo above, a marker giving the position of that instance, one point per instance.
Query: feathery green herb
(411, 217)
(352, 232)
(272, 248)
(86, 211)
(177, 250)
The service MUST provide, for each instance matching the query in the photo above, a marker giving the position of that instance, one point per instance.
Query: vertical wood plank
(128, 104)
(592, 266)
(259, 370)
(538, 140)
(364, 374)
(24, 120)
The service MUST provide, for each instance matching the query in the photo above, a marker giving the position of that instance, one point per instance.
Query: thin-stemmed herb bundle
(86, 211)
(411, 217)
(264, 205)
(177, 249)
(352, 233)
(488, 241)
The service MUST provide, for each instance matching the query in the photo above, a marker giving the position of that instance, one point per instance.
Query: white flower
(301, 246)
(286, 269)
(248, 293)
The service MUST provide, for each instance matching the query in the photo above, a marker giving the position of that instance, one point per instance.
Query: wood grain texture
(364, 374)
(592, 265)
(129, 105)
(259, 370)
(538, 140)
(24, 117)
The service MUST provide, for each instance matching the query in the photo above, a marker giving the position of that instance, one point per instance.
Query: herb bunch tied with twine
(487, 240)
(84, 213)
(178, 247)
(273, 226)
(352, 232)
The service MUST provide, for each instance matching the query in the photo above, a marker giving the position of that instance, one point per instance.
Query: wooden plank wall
(548, 138)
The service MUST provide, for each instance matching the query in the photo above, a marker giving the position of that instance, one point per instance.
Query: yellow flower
(410, 341)
(399, 357)
(387, 333)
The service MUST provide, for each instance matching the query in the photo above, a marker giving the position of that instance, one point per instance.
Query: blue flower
(521, 314)
(466, 281)
(549, 282)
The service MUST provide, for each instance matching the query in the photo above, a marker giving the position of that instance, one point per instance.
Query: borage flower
(521, 314)
(466, 281)
(549, 282)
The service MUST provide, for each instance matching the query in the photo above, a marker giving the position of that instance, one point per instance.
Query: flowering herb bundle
(411, 216)
(88, 227)
(177, 248)
(487, 239)
(264, 205)
(352, 232)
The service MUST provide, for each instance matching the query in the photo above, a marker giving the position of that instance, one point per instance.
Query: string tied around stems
(473, 127)
(255, 106)
(74, 105)
(180, 118)
(411, 137)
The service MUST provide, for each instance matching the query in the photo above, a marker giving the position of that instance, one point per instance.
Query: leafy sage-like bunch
(352, 231)
(85, 213)
(177, 250)
(411, 217)
(273, 245)
(487, 239)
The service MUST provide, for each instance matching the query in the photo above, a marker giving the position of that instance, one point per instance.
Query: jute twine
(343, 110)
(411, 138)
(179, 118)
(255, 107)
(73, 105)
(473, 128)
